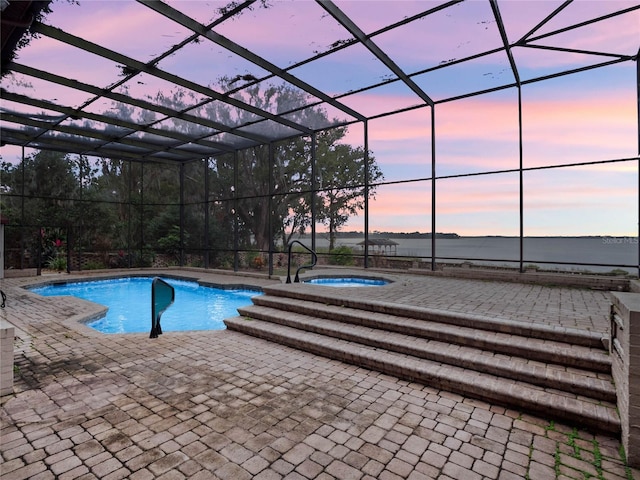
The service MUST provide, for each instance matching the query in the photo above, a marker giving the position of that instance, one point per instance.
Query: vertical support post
(141, 211)
(638, 132)
(433, 187)
(521, 178)
(39, 256)
(129, 216)
(314, 188)
(182, 214)
(271, 212)
(205, 163)
(22, 219)
(74, 232)
(366, 193)
(79, 228)
(69, 251)
(236, 239)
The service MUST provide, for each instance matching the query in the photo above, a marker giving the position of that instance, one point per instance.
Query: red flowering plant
(54, 250)
(258, 262)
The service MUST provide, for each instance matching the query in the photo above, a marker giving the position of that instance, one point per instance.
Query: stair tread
(574, 336)
(444, 331)
(601, 415)
(460, 355)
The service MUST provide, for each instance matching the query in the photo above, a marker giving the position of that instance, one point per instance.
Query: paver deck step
(593, 358)
(324, 296)
(598, 386)
(560, 372)
(599, 416)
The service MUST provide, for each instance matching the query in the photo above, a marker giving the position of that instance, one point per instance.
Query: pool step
(493, 361)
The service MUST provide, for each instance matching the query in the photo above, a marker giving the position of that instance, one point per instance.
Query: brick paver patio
(222, 405)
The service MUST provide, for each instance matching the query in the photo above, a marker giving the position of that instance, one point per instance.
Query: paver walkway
(222, 405)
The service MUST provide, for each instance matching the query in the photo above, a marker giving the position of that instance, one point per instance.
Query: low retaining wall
(575, 280)
(7, 335)
(624, 348)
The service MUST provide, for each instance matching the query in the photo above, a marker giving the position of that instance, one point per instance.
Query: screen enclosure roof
(179, 80)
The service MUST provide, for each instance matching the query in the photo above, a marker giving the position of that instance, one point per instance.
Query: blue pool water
(347, 282)
(129, 300)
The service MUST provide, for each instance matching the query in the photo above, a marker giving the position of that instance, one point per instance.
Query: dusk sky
(584, 117)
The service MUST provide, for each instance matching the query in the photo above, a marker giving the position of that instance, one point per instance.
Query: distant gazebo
(381, 246)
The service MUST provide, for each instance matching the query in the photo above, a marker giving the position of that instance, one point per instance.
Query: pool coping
(95, 310)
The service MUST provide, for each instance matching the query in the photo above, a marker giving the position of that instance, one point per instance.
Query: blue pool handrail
(314, 257)
(162, 296)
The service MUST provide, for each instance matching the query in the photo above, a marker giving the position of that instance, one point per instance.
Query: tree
(340, 179)
(52, 194)
(261, 199)
(342, 185)
(39, 12)
(275, 195)
(258, 195)
(48, 181)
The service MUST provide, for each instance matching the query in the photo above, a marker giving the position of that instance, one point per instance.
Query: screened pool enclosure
(489, 133)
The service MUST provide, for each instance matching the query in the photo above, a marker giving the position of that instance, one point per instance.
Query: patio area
(223, 405)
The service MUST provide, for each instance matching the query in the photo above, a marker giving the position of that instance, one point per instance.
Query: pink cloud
(580, 127)
(397, 204)
(126, 27)
(11, 154)
(473, 134)
(612, 113)
(592, 200)
(617, 34)
(495, 193)
(478, 118)
(286, 31)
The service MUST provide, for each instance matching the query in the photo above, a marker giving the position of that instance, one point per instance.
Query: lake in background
(611, 252)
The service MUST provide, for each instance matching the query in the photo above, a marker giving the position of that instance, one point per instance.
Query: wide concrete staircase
(558, 373)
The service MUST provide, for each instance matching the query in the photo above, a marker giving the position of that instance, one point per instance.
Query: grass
(624, 459)
(572, 443)
(593, 455)
(597, 457)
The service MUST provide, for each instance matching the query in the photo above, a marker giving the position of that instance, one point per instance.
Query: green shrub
(57, 263)
(170, 244)
(94, 265)
(341, 256)
(618, 271)
(255, 260)
(144, 258)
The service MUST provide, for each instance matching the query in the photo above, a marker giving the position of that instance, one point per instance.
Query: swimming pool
(347, 281)
(196, 307)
